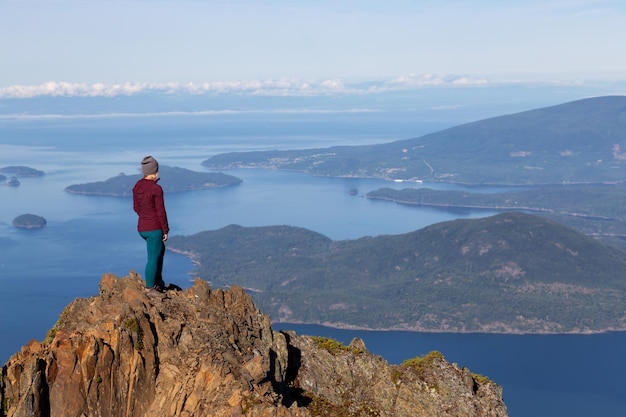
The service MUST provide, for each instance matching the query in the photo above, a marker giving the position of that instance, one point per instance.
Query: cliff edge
(204, 352)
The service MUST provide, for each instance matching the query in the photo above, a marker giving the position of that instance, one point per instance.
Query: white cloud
(431, 80)
(281, 87)
(65, 89)
(284, 87)
(277, 87)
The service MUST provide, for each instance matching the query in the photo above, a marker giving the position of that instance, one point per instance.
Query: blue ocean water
(541, 375)
(41, 271)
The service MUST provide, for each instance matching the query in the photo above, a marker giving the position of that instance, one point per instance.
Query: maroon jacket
(149, 205)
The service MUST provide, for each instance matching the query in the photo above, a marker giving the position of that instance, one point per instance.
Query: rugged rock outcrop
(204, 352)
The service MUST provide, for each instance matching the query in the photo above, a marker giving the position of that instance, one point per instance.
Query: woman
(152, 225)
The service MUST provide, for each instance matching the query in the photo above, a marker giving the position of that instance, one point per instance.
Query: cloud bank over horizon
(285, 87)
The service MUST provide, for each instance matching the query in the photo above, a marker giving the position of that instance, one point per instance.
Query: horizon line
(281, 87)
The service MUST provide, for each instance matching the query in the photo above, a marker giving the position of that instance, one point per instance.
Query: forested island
(172, 179)
(29, 221)
(509, 273)
(21, 171)
(18, 171)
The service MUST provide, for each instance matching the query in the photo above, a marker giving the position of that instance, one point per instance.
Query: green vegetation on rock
(420, 363)
(333, 346)
(133, 325)
(54, 329)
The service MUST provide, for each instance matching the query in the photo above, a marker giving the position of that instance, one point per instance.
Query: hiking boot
(173, 287)
(155, 290)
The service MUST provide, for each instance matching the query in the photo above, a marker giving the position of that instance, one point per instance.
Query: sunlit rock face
(204, 352)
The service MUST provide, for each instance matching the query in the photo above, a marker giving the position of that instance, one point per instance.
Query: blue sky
(83, 47)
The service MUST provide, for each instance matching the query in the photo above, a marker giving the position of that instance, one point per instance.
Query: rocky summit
(205, 352)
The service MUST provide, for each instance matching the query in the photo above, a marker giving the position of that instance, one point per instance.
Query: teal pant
(156, 250)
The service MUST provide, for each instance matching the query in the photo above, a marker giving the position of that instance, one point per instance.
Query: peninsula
(596, 210)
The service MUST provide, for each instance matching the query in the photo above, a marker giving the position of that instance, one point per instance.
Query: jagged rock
(205, 352)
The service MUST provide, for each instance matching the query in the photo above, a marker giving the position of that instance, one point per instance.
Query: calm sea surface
(41, 271)
(541, 375)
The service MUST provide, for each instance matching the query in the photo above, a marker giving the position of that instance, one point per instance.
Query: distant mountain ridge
(508, 273)
(583, 141)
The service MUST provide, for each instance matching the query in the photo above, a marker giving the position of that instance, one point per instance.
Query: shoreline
(433, 331)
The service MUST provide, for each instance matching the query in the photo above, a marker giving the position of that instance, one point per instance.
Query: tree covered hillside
(578, 142)
(512, 272)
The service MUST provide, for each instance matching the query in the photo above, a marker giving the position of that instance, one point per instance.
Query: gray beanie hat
(149, 165)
